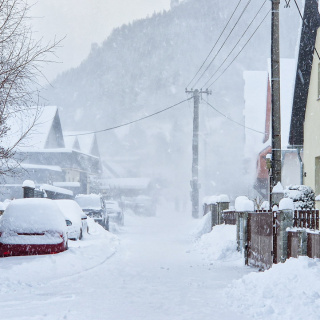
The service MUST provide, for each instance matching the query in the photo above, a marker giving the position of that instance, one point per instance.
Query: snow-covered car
(32, 227)
(115, 212)
(94, 207)
(74, 214)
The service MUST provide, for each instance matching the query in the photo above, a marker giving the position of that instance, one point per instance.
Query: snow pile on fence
(289, 290)
(242, 203)
(219, 245)
(216, 199)
(203, 226)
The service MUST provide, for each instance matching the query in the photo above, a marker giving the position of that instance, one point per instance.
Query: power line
(127, 123)
(250, 24)
(234, 11)
(236, 122)
(303, 22)
(240, 50)
(212, 60)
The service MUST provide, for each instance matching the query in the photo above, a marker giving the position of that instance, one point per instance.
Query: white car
(114, 211)
(73, 215)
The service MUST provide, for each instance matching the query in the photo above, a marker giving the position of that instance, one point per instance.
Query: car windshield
(89, 202)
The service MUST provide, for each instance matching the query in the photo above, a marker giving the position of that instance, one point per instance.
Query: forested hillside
(145, 66)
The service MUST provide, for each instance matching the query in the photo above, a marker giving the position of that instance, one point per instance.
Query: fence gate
(260, 239)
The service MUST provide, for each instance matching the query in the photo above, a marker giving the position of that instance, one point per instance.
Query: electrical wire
(234, 11)
(232, 50)
(127, 123)
(233, 28)
(236, 122)
(240, 50)
(295, 1)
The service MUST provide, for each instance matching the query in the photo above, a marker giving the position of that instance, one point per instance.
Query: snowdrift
(286, 291)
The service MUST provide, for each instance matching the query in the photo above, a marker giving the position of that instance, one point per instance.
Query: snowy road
(153, 273)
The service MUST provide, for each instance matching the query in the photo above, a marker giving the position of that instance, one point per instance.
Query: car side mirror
(69, 223)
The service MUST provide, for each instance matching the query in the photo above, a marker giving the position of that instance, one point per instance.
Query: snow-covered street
(150, 270)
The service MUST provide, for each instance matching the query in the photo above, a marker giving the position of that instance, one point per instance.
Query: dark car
(94, 207)
(115, 212)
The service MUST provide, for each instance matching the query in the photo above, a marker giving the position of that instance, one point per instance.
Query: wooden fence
(272, 237)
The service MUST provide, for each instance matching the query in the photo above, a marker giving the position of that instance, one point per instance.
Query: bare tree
(21, 60)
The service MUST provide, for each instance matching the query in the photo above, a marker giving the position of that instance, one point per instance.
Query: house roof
(311, 23)
(42, 128)
(85, 141)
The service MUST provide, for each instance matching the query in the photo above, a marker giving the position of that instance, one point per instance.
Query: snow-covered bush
(303, 197)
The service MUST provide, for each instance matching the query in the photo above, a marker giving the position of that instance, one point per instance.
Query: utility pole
(195, 152)
(275, 98)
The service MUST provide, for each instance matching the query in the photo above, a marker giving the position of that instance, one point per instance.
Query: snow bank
(82, 256)
(286, 204)
(289, 290)
(220, 245)
(242, 203)
(203, 226)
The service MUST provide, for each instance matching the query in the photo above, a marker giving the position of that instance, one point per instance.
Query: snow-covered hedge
(303, 197)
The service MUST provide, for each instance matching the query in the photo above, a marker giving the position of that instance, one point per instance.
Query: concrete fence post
(242, 234)
(285, 218)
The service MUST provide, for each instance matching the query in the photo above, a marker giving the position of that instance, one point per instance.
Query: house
(44, 155)
(304, 128)
(257, 114)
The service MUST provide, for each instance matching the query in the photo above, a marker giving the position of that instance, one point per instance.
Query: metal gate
(260, 239)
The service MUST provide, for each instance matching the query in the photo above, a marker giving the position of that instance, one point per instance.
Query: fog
(144, 66)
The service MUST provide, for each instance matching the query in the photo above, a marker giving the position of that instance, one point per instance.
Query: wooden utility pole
(275, 97)
(195, 152)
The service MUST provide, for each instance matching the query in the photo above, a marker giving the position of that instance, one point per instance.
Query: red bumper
(7, 250)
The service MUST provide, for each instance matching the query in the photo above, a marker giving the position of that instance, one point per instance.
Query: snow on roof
(22, 121)
(86, 141)
(126, 183)
(48, 187)
(40, 167)
(66, 184)
(29, 184)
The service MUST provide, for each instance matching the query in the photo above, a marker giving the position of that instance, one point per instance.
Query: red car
(32, 227)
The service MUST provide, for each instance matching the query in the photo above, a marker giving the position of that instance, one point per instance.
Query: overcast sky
(84, 22)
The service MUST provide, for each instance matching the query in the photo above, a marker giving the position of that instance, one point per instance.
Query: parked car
(94, 207)
(115, 212)
(32, 227)
(73, 213)
(145, 206)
